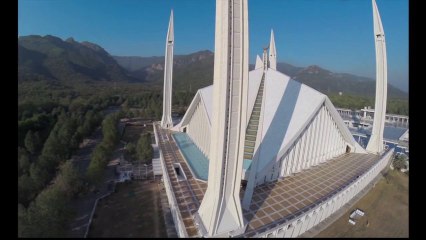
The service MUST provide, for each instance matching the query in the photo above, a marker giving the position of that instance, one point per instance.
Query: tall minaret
(166, 120)
(272, 52)
(220, 212)
(375, 144)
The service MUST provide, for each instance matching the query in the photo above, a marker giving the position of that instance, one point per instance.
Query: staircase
(253, 125)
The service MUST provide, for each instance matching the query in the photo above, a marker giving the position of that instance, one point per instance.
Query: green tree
(47, 216)
(400, 162)
(39, 176)
(23, 161)
(69, 180)
(99, 158)
(26, 189)
(144, 149)
(131, 150)
(95, 171)
(32, 141)
(22, 220)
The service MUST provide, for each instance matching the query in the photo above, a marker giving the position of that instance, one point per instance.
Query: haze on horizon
(334, 34)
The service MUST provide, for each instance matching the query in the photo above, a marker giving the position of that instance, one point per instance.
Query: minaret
(166, 120)
(272, 52)
(375, 144)
(220, 212)
(259, 62)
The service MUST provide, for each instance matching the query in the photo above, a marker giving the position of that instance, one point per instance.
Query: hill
(196, 71)
(52, 59)
(190, 72)
(328, 82)
(73, 63)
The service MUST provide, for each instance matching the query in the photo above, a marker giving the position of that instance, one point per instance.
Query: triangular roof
(288, 108)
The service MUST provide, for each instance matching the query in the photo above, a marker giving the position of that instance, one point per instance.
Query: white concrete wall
(328, 207)
(198, 129)
(320, 141)
(174, 209)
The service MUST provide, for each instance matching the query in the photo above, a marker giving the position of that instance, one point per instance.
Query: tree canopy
(144, 148)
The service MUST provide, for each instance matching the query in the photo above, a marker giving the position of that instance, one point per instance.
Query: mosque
(258, 154)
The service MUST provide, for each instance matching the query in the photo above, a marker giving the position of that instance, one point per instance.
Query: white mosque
(258, 154)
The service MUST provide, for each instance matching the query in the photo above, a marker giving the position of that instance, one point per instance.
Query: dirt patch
(134, 210)
(386, 211)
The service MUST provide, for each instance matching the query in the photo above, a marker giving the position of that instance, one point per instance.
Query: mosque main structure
(258, 154)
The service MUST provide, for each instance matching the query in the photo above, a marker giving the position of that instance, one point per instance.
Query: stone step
(253, 124)
(252, 127)
(251, 132)
(249, 143)
(248, 150)
(250, 138)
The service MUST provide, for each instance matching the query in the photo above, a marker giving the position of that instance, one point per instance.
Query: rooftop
(389, 133)
(196, 159)
(274, 203)
(286, 107)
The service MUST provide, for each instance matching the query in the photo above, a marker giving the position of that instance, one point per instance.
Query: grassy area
(134, 210)
(386, 211)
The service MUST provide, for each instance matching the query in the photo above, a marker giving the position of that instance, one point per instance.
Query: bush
(400, 162)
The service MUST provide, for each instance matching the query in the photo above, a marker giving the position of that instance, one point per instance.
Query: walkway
(277, 202)
(189, 192)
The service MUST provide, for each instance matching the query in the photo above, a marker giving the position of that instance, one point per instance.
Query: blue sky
(334, 34)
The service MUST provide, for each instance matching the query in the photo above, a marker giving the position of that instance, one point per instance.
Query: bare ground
(386, 211)
(134, 210)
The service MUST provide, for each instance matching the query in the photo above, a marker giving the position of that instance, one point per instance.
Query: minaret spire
(166, 120)
(272, 52)
(220, 213)
(375, 144)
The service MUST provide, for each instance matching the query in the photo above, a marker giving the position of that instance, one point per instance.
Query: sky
(334, 34)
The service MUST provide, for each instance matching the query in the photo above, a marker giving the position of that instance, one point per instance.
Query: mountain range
(50, 58)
